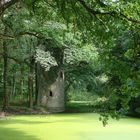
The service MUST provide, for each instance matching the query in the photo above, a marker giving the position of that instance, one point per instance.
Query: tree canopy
(94, 42)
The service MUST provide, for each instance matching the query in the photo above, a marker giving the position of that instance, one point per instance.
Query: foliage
(99, 42)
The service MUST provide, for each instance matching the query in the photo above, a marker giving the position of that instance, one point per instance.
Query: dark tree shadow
(13, 134)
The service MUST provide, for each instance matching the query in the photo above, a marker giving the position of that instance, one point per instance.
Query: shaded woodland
(56, 51)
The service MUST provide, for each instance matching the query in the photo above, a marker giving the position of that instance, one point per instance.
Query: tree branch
(111, 13)
(16, 60)
(129, 18)
(6, 4)
(4, 37)
(35, 34)
(8, 37)
(95, 12)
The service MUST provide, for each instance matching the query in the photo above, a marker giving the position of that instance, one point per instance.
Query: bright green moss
(68, 127)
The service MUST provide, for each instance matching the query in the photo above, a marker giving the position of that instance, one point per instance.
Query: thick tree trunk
(5, 92)
(30, 86)
(30, 82)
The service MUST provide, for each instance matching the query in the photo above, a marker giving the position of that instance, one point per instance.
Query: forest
(72, 63)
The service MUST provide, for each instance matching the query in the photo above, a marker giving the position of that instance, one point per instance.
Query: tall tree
(5, 71)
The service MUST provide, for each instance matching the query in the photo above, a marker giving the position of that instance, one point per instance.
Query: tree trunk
(36, 85)
(21, 80)
(30, 82)
(13, 85)
(5, 91)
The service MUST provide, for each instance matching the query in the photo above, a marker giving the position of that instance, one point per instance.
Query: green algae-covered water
(80, 126)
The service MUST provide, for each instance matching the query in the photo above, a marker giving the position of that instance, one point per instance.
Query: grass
(76, 126)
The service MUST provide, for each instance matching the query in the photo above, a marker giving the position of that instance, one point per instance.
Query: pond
(76, 126)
